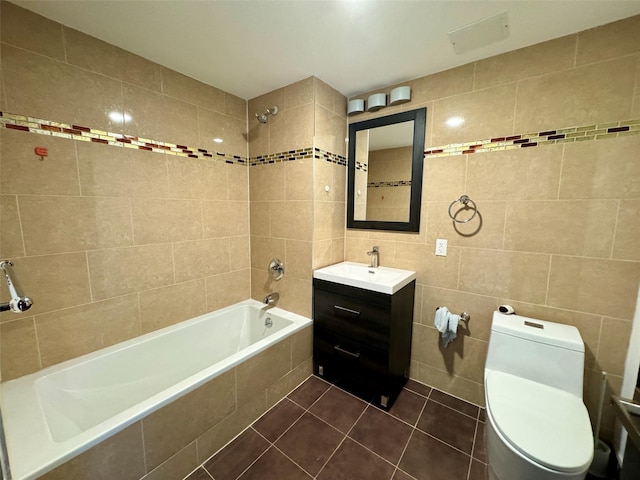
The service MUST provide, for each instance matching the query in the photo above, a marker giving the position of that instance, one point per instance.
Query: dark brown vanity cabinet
(362, 339)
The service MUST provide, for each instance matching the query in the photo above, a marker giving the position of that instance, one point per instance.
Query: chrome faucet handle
(374, 254)
(276, 268)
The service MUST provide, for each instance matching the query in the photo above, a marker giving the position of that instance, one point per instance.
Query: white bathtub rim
(29, 465)
(146, 336)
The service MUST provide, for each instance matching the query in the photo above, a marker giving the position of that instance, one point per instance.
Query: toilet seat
(549, 426)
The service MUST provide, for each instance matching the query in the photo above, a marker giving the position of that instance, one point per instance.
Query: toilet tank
(544, 352)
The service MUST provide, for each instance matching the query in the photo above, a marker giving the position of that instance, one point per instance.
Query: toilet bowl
(537, 425)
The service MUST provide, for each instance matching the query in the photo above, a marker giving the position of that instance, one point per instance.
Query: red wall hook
(41, 152)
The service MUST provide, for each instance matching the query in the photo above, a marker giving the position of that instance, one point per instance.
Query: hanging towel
(441, 319)
(447, 324)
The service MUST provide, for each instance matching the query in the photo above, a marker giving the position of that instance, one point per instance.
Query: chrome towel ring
(465, 200)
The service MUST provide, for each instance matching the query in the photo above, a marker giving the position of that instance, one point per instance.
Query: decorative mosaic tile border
(297, 155)
(564, 135)
(397, 183)
(331, 157)
(86, 134)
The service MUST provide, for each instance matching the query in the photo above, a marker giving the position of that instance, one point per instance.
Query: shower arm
(264, 117)
(18, 303)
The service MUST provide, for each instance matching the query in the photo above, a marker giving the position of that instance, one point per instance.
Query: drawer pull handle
(348, 310)
(342, 350)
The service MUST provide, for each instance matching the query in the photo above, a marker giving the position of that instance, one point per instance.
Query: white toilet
(537, 425)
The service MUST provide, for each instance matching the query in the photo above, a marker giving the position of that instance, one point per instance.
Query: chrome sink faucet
(375, 257)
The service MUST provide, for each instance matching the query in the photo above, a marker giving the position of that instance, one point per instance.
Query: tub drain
(268, 322)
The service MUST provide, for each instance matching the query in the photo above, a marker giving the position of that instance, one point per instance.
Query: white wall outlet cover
(441, 247)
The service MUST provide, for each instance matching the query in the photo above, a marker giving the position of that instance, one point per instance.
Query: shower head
(264, 117)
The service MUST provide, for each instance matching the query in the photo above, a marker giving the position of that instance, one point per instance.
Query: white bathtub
(57, 413)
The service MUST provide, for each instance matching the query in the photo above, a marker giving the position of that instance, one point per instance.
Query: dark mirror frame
(419, 118)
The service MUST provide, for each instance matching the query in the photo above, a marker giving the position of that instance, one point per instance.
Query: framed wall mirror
(385, 161)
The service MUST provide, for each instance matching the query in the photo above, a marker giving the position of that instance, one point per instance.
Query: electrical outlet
(441, 247)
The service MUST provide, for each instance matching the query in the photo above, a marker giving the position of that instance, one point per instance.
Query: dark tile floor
(320, 431)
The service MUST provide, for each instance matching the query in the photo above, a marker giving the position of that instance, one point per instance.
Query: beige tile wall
(281, 194)
(330, 179)
(91, 238)
(297, 207)
(555, 235)
(105, 239)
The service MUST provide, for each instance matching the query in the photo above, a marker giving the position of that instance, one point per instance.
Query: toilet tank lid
(549, 333)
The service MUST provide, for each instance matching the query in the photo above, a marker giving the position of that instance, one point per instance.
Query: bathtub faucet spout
(18, 303)
(271, 299)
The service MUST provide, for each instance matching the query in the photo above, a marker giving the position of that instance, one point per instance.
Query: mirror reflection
(384, 179)
(385, 172)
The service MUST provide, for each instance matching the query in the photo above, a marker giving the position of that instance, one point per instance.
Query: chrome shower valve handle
(19, 302)
(276, 268)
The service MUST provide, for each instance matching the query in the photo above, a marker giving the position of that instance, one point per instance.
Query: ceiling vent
(480, 34)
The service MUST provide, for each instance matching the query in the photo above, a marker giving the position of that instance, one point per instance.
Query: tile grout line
(473, 448)
(292, 461)
(413, 430)
(440, 440)
(287, 429)
(615, 229)
(443, 442)
(346, 435)
(38, 349)
(250, 427)
(457, 399)
(395, 466)
(401, 456)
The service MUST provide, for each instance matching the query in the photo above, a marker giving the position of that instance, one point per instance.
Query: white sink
(381, 279)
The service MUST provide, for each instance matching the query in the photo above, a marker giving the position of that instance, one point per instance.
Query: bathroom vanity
(362, 328)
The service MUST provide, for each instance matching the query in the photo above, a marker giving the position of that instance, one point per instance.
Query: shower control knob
(276, 267)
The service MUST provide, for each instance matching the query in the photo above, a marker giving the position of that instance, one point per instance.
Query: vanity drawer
(365, 322)
(353, 358)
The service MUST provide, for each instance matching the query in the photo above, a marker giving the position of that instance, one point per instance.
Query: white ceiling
(252, 47)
